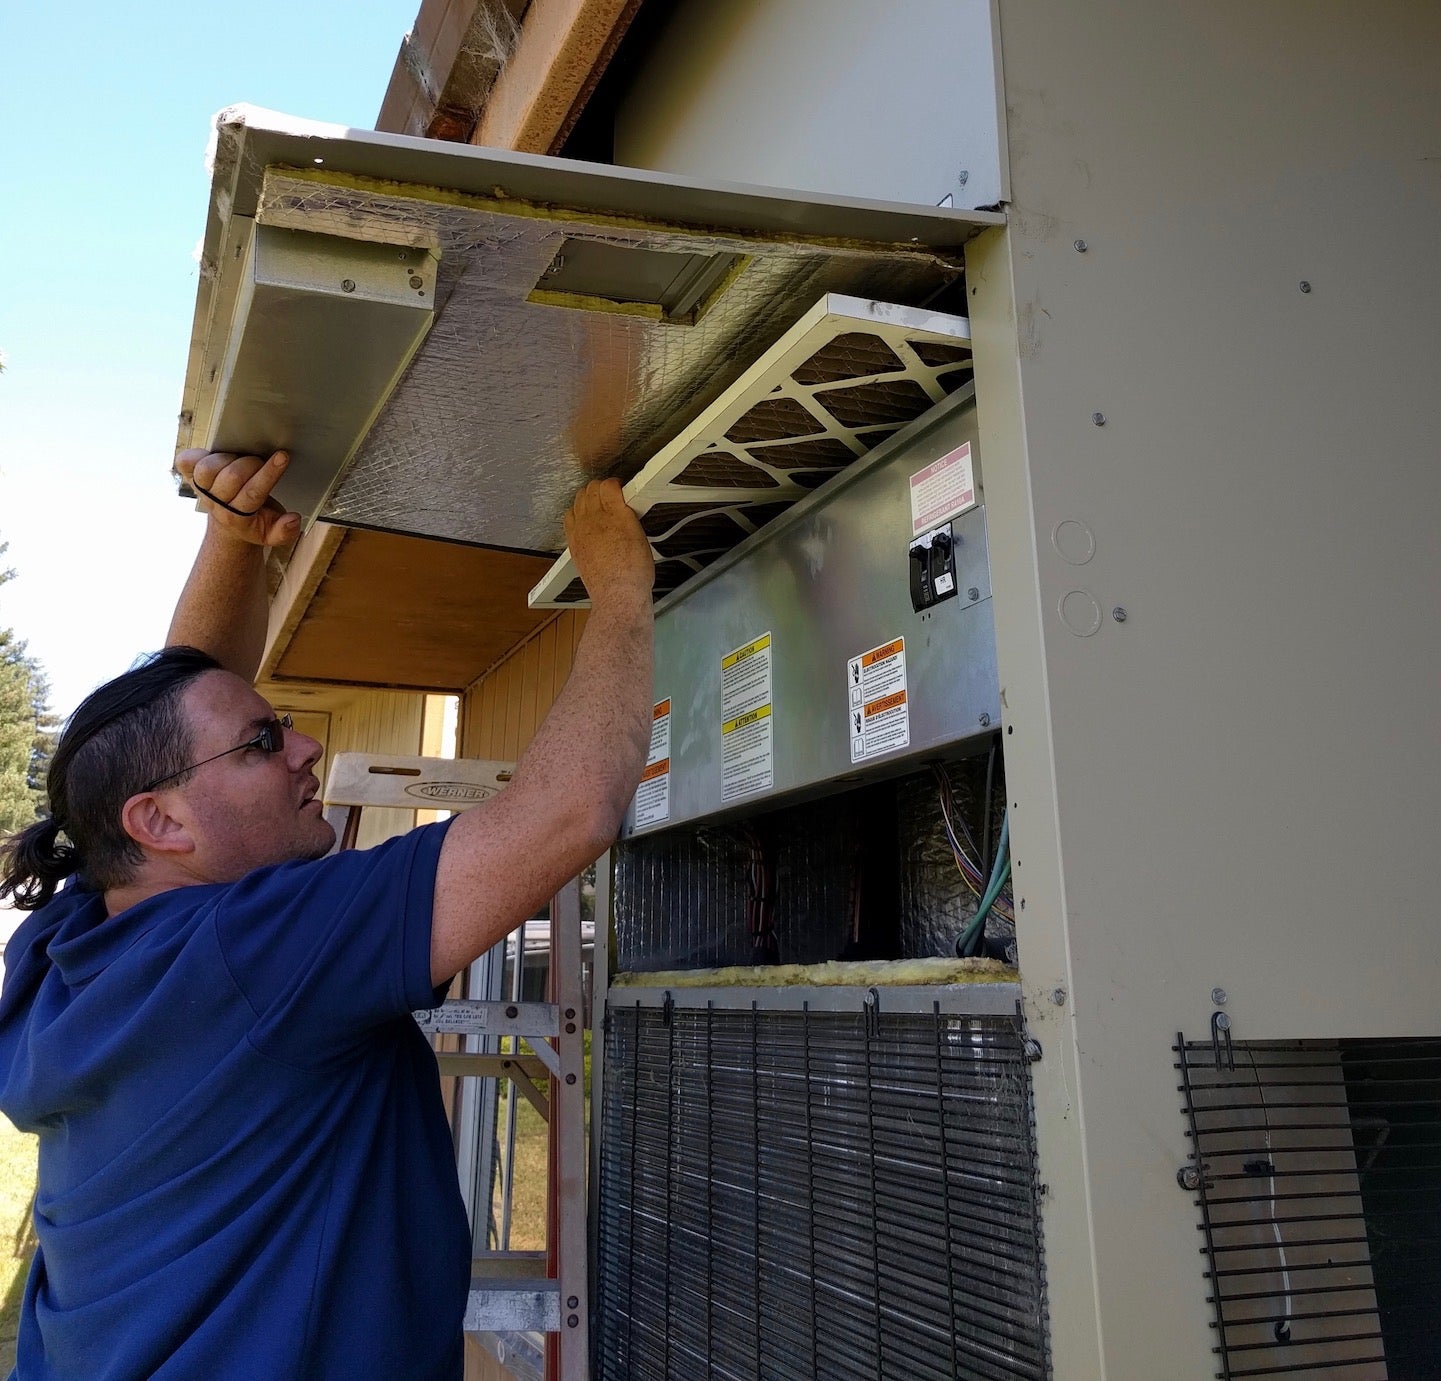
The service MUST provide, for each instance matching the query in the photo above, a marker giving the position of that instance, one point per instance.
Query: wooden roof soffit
(561, 50)
(299, 581)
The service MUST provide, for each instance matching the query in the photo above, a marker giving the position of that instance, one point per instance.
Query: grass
(17, 1246)
(527, 1204)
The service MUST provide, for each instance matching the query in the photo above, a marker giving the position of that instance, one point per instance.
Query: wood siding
(370, 722)
(500, 712)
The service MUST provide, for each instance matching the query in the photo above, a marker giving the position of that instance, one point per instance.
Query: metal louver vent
(1318, 1180)
(846, 1194)
(832, 388)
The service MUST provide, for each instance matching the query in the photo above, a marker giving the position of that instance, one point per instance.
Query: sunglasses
(270, 739)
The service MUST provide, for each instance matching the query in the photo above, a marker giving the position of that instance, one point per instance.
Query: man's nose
(301, 751)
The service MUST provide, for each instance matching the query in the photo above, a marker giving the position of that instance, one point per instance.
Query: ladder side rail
(568, 1141)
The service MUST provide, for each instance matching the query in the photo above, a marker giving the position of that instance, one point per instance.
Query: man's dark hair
(129, 732)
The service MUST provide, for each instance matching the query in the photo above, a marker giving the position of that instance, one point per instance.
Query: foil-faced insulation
(864, 874)
(517, 397)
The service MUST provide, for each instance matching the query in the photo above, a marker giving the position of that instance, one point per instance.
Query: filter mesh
(798, 1194)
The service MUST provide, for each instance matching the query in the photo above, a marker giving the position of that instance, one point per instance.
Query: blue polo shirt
(245, 1165)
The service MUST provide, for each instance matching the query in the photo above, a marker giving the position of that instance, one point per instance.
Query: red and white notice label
(944, 489)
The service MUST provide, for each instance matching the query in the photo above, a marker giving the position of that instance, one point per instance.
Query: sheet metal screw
(985, 721)
(1189, 1178)
(1305, 286)
(1119, 614)
(973, 593)
(1081, 246)
(1218, 996)
(1099, 418)
(347, 285)
(1058, 996)
(416, 281)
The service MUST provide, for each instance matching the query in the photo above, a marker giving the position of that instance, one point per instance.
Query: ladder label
(747, 728)
(652, 798)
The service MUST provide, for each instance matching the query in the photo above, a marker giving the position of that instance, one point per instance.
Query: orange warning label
(655, 769)
(662, 709)
(889, 702)
(879, 654)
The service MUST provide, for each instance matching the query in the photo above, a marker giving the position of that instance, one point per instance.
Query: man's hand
(607, 545)
(235, 492)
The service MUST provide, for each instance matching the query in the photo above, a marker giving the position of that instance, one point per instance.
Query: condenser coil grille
(842, 380)
(1318, 1180)
(798, 1194)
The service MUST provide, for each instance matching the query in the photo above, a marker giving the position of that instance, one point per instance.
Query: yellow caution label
(740, 721)
(749, 650)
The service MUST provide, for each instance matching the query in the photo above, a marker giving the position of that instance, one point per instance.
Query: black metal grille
(1318, 1177)
(803, 1194)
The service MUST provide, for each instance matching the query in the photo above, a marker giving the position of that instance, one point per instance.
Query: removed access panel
(845, 377)
(583, 316)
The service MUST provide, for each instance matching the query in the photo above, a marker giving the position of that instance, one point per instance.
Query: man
(245, 1168)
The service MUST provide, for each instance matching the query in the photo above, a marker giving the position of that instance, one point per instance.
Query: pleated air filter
(848, 375)
(837, 1191)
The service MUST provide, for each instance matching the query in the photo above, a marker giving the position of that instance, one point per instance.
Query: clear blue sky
(105, 111)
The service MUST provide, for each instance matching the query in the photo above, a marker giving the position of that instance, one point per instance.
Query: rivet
(573, 1302)
(347, 285)
(1081, 246)
(1099, 418)
(1305, 286)
(512, 1012)
(570, 1013)
(570, 1078)
(570, 1028)
(1119, 614)
(572, 1321)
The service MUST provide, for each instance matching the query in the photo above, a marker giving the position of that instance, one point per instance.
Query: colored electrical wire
(975, 880)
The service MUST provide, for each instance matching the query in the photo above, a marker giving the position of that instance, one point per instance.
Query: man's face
(251, 808)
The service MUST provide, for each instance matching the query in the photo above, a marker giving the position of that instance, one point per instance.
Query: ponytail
(34, 863)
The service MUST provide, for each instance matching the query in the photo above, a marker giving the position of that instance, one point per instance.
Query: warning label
(747, 729)
(652, 797)
(878, 710)
(945, 488)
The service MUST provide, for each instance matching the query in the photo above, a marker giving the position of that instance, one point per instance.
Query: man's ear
(145, 819)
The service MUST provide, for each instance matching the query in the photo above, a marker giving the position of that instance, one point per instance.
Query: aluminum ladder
(543, 1292)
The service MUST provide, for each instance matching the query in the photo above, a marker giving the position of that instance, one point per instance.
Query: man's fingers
(255, 490)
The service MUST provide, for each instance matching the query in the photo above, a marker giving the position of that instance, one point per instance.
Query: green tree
(27, 736)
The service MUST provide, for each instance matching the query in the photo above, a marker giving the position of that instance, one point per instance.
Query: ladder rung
(522, 1304)
(491, 1066)
(509, 1265)
(467, 1017)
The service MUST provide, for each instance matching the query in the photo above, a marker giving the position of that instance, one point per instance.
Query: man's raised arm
(504, 858)
(223, 608)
